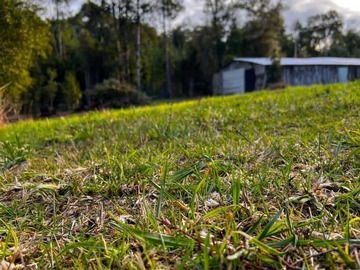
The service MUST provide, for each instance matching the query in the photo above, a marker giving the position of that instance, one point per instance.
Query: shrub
(113, 94)
(71, 91)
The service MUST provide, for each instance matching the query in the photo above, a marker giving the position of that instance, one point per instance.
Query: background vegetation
(54, 62)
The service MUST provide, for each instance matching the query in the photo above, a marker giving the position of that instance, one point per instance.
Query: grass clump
(263, 180)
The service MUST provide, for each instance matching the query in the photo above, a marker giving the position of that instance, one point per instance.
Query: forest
(117, 53)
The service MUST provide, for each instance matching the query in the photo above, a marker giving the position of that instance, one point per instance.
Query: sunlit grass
(269, 179)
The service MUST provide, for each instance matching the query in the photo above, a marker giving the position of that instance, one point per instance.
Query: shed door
(343, 74)
(234, 81)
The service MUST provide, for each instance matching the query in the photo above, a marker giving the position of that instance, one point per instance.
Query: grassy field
(257, 181)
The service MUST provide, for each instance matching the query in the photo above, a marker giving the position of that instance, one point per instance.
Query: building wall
(260, 73)
(354, 73)
(291, 75)
(308, 75)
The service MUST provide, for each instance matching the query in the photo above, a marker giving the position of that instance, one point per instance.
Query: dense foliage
(24, 38)
(53, 63)
(112, 94)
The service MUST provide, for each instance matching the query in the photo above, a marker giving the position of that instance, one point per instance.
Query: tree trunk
(58, 31)
(191, 88)
(167, 57)
(126, 47)
(138, 49)
(87, 87)
(168, 71)
(118, 44)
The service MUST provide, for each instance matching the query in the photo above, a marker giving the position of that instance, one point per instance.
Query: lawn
(263, 180)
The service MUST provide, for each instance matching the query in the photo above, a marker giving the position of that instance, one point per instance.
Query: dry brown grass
(6, 108)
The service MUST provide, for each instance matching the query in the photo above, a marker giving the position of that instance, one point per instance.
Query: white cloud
(295, 10)
(302, 9)
(353, 5)
(193, 14)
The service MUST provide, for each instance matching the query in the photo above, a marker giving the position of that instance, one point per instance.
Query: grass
(262, 180)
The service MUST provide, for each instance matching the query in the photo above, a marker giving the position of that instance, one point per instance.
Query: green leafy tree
(348, 47)
(264, 30)
(97, 55)
(321, 32)
(234, 43)
(152, 59)
(352, 43)
(24, 37)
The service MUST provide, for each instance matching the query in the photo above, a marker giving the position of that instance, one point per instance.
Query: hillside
(262, 180)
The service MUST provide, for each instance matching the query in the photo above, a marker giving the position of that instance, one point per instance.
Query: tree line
(132, 48)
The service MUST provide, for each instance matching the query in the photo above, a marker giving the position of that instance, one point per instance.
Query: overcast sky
(295, 10)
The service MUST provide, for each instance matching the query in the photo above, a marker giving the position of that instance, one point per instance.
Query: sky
(295, 10)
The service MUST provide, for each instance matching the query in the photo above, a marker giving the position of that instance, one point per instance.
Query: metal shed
(250, 74)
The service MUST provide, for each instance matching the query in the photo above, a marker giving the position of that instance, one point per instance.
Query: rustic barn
(250, 74)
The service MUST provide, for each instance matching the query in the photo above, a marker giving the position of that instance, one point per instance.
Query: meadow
(267, 180)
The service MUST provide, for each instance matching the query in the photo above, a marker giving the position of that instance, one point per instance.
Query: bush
(113, 94)
(71, 91)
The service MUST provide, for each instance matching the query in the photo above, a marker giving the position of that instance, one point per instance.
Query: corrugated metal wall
(354, 73)
(308, 75)
(232, 80)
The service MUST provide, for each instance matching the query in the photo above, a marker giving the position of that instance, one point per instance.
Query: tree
(220, 13)
(58, 21)
(262, 34)
(97, 54)
(169, 10)
(126, 10)
(49, 91)
(321, 32)
(24, 37)
(142, 8)
(185, 68)
(203, 55)
(352, 43)
(234, 43)
(130, 13)
(152, 59)
(349, 46)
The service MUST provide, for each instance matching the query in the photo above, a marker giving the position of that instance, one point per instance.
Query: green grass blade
(154, 238)
(268, 226)
(254, 227)
(218, 211)
(265, 248)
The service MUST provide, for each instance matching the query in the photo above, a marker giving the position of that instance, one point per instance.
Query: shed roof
(315, 61)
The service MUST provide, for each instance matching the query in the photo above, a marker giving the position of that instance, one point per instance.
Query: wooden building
(251, 74)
